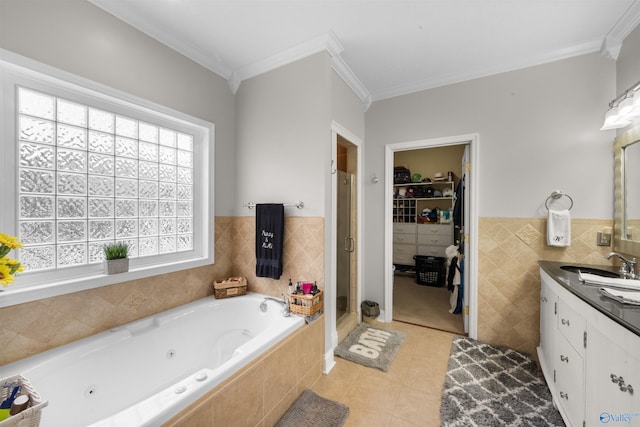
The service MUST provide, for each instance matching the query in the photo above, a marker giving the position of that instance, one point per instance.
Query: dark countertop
(625, 314)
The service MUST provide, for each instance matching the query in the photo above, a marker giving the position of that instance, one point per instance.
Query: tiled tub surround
(34, 327)
(260, 393)
(146, 372)
(509, 279)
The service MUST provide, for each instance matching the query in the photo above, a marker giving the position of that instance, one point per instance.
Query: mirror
(626, 234)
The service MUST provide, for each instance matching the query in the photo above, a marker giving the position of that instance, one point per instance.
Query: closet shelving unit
(411, 238)
(406, 209)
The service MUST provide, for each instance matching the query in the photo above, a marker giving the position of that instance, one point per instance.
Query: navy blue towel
(269, 239)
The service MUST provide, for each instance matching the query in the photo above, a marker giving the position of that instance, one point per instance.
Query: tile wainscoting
(508, 294)
(30, 328)
(509, 279)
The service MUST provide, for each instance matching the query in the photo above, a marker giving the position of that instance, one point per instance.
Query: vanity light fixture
(623, 109)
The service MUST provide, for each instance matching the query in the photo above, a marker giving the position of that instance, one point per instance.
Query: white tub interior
(145, 372)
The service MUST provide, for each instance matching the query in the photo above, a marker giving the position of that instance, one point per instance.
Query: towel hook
(555, 196)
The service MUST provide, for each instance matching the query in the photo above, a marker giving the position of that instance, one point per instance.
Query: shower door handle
(349, 244)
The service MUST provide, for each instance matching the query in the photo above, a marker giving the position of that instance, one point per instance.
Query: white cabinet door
(548, 328)
(612, 377)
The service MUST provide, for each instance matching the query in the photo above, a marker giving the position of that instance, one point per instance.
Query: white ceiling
(382, 48)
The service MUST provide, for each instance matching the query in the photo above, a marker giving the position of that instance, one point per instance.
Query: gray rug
(490, 385)
(371, 346)
(311, 410)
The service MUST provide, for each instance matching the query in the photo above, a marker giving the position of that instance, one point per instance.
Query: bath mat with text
(311, 410)
(371, 346)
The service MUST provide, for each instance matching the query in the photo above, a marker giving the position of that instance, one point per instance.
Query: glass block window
(87, 177)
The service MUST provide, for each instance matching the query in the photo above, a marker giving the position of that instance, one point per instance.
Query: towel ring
(555, 196)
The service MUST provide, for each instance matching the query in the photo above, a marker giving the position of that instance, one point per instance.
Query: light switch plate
(603, 239)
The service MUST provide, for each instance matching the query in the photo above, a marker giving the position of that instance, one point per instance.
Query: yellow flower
(5, 275)
(10, 241)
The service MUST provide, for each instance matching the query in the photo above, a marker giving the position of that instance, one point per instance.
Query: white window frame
(16, 70)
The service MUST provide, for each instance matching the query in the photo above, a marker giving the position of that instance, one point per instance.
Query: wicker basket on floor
(230, 287)
(305, 305)
(30, 417)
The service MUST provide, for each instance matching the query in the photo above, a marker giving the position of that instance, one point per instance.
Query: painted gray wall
(539, 131)
(346, 108)
(282, 136)
(628, 63)
(82, 39)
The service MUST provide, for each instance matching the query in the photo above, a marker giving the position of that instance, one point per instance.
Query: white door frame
(331, 331)
(471, 261)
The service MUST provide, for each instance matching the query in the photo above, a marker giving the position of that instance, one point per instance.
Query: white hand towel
(631, 284)
(559, 228)
(625, 297)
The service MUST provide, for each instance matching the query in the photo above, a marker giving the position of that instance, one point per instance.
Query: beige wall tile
(200, 415)
(274, 415)
(37, 326)
(241, 402)
(280, 366)
(508, 275)
(303, 254)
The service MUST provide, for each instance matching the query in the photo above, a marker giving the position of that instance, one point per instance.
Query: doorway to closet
(427, 234)
(422, 235)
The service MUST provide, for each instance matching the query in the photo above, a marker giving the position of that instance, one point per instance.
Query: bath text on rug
(370, 343)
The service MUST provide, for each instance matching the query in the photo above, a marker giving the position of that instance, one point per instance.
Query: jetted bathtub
(145, 372)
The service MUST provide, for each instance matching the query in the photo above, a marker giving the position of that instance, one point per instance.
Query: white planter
(115, 266)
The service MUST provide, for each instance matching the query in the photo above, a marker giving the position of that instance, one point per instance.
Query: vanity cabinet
(590, 362)
(612, 374)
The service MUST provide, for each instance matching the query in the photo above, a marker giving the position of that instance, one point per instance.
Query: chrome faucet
(627, 267)
(283, 301)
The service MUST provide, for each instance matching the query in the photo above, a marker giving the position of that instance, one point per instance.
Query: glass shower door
(345, 244)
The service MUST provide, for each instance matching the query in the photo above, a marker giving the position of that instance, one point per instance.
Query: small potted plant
(116, 260)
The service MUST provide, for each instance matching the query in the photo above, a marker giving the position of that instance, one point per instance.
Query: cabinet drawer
(404, 228)
(399, 249)
(404, 238)
(571, 325)
(435, 239)
(570, 380)
(403, 259)
(439, 251)
(431, 229)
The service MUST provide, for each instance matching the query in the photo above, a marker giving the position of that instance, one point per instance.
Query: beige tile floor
(406, 395)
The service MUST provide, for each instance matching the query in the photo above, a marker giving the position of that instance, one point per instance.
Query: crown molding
(612, 43)
(349, 77)
(611, 47)
(499, 68)
(327, 42)
(627, 23)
